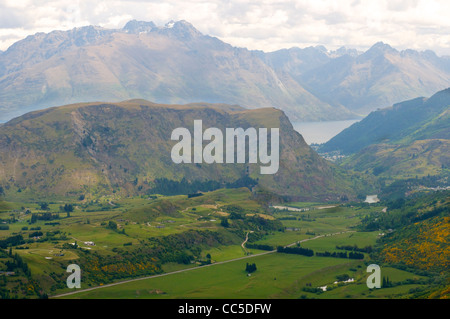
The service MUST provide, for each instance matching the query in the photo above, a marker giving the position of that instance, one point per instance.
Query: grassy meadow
(321, 228)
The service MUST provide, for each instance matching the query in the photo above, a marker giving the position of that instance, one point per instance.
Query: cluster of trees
(208, 260)
(35, 234)
(224, 222)
(113, 226)
(386, 283)
(17, 263)
(70, 246)
(250, 268)
(398, 188)
(19, 285)
(166, 186)
(310, 252)
(258, 225)
(43, 216)
(68, 208)
(11, 220)
(260, 246)
(343, 277)
(195, 195)
(17, 240)
(4, 293)
(235, 211)
(44, 206)
(355, 255)
(102, 269)
(185, 247)
(12, 241)
(314, 290)
(241, 223)
(402, 213)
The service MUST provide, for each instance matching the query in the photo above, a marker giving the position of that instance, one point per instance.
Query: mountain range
(176, 63)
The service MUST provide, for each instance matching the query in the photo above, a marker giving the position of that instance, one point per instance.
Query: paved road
(195, 268)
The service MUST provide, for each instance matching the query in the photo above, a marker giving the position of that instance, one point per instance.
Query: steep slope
(407, 140)
(416, 159)
(297, 61)
(124, 147)
(416, 237)
(171, 64)
(420, 118)
(379, 77)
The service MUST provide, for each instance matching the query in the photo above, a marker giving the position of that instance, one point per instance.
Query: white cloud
(265, 25)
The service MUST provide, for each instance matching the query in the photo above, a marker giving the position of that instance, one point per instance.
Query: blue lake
(321, 132)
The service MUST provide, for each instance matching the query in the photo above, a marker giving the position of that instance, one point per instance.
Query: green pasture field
(277, 276)
(276, 272)
(224, 253)
(318, 222)
(329, 243)
(88, 221)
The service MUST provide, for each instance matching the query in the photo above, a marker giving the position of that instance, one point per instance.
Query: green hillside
(410, 139)
(436, 127)
(416, 119)
(94, 149)
(418, 159)
(415, 237)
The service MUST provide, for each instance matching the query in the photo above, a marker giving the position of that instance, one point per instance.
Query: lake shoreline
(321, 132)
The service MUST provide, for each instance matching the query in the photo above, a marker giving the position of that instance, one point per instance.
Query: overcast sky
(264, 25)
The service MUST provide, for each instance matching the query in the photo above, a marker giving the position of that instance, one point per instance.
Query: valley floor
(120, 247)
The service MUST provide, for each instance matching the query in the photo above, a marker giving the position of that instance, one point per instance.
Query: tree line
(296, 251)
(310, 253)
(260, 247)
(43, 216)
